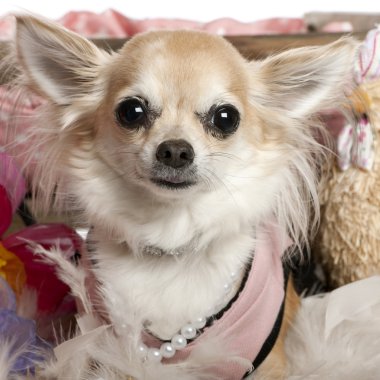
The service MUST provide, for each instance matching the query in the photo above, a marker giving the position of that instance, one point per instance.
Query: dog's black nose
(175, 153)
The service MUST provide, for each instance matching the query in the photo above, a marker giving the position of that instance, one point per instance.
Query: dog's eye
(226, 118)
(131, 112)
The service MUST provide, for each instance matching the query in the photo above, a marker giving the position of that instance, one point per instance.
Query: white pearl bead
(167, 350)
(227, 287)
(199, 323)
(179, 342)
(233, 275)
(189, 331)
(142, 350)
(154, 355)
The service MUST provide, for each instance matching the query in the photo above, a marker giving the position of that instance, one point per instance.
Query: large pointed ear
(57, 63)
(306, 80)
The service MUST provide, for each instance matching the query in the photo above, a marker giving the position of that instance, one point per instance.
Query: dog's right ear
(58, 64)
(306, 80)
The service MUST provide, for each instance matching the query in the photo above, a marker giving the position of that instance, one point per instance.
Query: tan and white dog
(191, 164)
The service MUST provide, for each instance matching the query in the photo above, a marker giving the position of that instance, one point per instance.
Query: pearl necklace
(188, 332)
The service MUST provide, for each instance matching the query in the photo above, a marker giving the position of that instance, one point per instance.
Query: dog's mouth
(173, 179)
(173, 183)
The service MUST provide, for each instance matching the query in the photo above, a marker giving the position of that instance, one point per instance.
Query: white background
(201, 10)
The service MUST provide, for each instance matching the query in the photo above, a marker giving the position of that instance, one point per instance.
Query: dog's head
(174, 116)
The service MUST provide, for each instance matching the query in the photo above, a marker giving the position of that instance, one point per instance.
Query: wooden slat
(251, 47)
(255, 47)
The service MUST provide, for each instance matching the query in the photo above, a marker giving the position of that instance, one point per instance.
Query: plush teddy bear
(348, 244)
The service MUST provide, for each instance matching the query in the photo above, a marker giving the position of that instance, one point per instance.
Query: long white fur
(244, 184)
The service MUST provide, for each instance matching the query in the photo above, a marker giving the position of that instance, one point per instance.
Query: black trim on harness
(272, 337)
(220, 313)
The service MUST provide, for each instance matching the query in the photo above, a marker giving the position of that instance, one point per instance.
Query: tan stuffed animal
(348, 244)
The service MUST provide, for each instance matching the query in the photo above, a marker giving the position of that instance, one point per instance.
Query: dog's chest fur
(167, 291)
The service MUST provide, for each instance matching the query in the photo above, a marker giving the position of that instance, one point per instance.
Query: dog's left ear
(306, 80)
(58, 64)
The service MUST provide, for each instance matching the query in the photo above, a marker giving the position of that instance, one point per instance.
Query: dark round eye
(226, 118)
(131, 112)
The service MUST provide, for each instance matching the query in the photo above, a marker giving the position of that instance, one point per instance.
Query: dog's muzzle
(174, 167)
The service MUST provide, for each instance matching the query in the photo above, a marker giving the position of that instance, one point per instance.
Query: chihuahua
(196, 171)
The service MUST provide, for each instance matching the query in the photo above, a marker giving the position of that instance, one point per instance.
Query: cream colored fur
(266, 169)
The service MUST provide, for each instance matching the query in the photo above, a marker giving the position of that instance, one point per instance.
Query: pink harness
(252, 318)
(246, 325)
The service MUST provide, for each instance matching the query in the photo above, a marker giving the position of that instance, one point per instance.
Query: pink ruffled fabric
(112, 24)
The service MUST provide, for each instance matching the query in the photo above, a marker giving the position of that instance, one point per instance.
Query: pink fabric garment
(247, 324)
